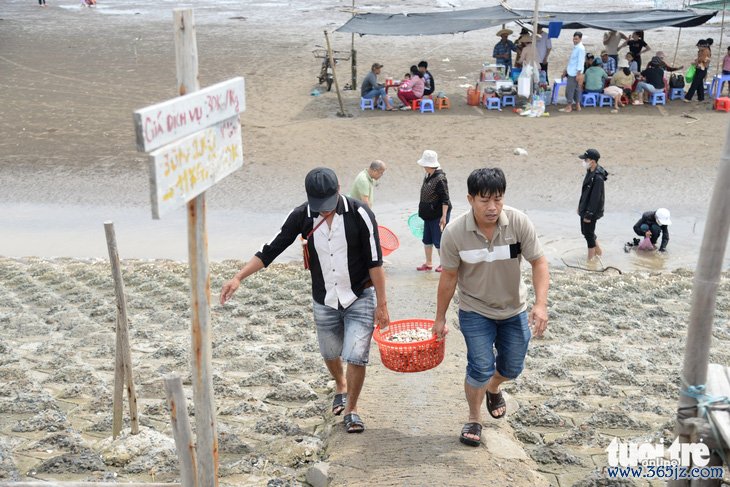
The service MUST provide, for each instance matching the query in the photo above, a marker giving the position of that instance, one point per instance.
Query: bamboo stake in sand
(181, 430)
(704, 294)
(186, 61)
(123, 362)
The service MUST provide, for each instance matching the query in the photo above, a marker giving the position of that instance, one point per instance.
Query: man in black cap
(345, 260)
(592, 197)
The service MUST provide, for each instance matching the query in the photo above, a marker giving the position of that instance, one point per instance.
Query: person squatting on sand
(341, 238)
(481, 252)
(592, 197)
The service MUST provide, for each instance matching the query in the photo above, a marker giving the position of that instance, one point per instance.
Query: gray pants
(573, 91)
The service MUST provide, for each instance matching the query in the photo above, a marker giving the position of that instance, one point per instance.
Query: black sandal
(353, 423)
(494, 402)
(474, 429)
(339, 403)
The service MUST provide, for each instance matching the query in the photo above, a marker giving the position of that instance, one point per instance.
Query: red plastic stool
(416, 104)
(722, 103)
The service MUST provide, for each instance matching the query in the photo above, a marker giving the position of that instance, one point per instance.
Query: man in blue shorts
(481, 252)
(348, 280)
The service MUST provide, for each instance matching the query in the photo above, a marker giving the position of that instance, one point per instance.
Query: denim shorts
(374, 93)
(483, 335)
(346, 332)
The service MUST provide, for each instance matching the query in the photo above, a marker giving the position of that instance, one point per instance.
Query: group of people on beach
(416, 84)
(480, 253)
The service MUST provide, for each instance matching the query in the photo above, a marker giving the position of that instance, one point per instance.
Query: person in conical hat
(502, 52)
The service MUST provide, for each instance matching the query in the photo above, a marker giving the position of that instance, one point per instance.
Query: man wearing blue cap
(345, 260)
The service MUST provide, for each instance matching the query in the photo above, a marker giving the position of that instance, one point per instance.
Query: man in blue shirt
(503, 50)
(609, 63)
(574, 73)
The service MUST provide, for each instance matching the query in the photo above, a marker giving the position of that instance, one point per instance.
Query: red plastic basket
(388, 240)
(409, 357)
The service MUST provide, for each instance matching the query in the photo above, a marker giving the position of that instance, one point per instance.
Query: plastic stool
(508, 101)
(717, 81)
(493, 103)
(442, 103)
(722, 103)
(556, 88)
(381, 103)
(676, 94)
(589, 99)
(605, 100)
(427, 105)
(367, 103)
(658, 98)
(415, 104)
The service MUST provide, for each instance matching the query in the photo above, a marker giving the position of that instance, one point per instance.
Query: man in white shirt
(544, 45)
(574, 73)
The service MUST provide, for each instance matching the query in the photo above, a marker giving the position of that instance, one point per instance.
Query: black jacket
(592, 195)
(649, 219)
(434, 194)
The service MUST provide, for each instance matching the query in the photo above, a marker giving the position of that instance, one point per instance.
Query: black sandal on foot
(353, 423)
(474, 429)
(494, 402)
(339, 403)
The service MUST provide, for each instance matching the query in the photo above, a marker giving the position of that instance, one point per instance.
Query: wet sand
(71, 79)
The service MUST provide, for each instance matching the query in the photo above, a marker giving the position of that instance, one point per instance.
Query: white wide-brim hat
(429, 159)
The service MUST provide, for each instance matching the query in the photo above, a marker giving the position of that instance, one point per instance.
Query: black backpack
(676, 81)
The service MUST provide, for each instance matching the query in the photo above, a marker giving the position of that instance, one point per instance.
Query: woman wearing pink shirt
(416, 89)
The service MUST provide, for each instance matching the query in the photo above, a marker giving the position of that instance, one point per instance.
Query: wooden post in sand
(342, 112)
(353, 54)
(123, 362)
(181, 430)
(186, 61)
(194, 141)
(704, 294)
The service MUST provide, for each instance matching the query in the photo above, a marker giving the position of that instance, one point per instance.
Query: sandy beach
(71, 78)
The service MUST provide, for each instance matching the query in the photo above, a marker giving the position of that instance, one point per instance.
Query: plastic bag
(690, 74)
(646, 244)
(524, 82)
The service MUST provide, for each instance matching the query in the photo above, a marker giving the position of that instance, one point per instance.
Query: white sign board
(182, 170)
(165, 122)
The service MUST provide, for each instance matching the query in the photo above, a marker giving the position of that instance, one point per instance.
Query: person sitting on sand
(652, 224)
(340, 235)
(372, 90)
(481, 252)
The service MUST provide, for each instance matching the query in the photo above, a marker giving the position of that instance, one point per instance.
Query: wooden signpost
(194, 141)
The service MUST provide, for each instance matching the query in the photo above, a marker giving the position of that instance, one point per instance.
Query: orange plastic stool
(416, 104)
(722, 103)
(443, 103)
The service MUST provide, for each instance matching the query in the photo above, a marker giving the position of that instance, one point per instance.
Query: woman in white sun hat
(434, 206)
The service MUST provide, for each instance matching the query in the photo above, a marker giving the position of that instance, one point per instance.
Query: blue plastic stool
(427, 105)
(556, 89)
(509, 101)
(658, 98)
(605, 100)
(493, 103)
(381, 103)
(676, 94)
(367, 103)
(589, 99)
(717, 81)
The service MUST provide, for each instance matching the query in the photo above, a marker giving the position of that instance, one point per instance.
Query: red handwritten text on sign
(165, 122)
